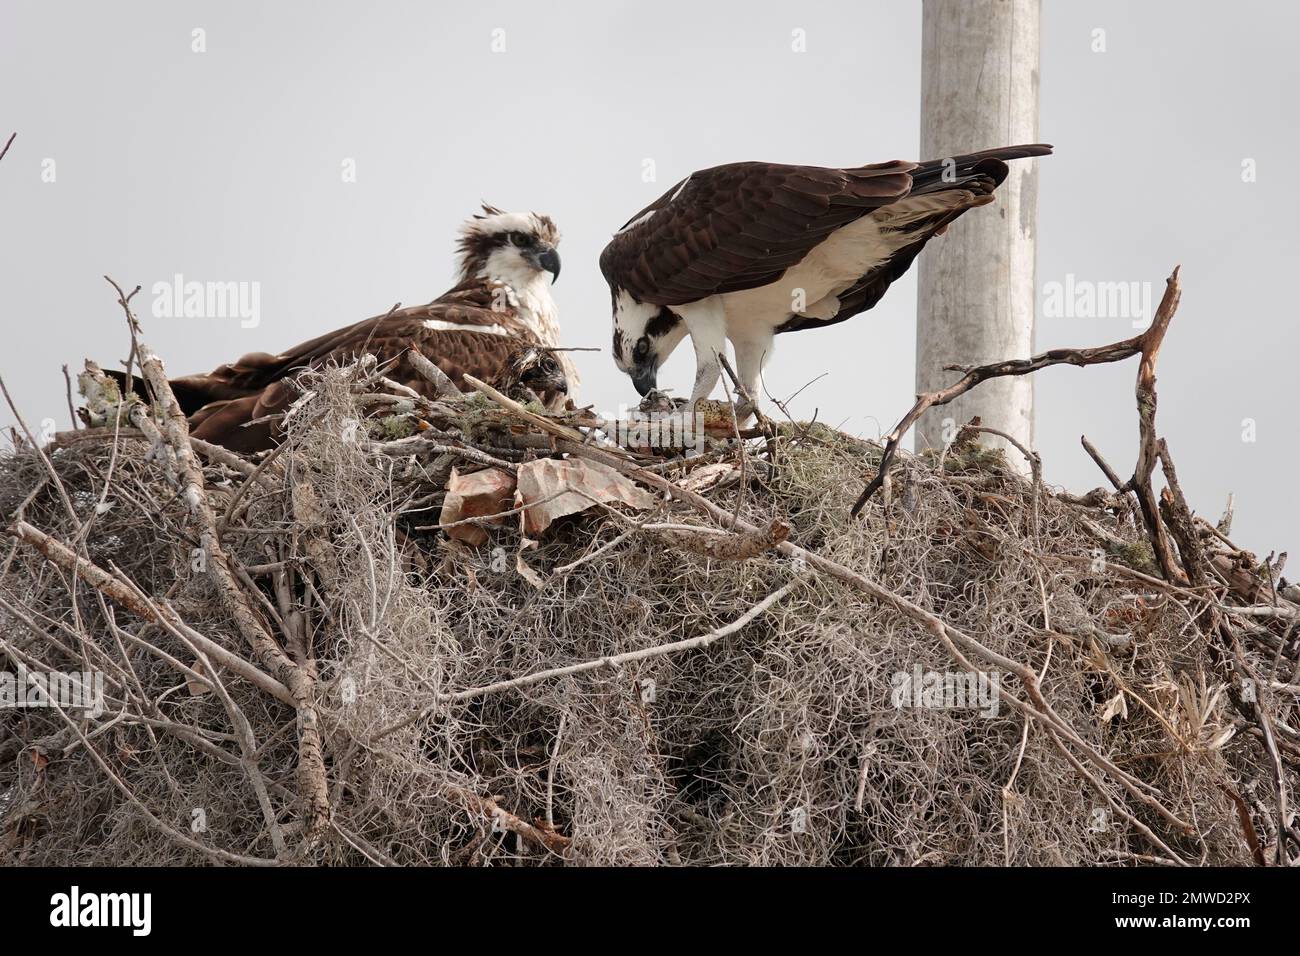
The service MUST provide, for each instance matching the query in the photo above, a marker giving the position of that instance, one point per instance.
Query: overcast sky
(141, 158)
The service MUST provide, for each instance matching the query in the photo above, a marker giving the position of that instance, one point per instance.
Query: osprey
(498, 323)
(749, 250)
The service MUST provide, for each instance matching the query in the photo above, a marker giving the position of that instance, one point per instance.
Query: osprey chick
(745, 251)
(532, 373)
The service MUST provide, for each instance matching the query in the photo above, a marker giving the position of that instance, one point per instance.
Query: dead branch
(740, 546)
(434, 375)
(1146, 344)
(63, 556)
(175, 432)
(618, 660)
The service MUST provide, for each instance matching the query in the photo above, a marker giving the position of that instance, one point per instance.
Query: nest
(978, 670)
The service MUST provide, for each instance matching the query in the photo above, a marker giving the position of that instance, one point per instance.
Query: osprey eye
(642, 346)
(518, 239)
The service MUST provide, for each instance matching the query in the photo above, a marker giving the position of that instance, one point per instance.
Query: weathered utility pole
(979, 89)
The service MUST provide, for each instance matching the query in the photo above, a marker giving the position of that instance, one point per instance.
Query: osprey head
(515, 247)
(534, 369)
(644, 336)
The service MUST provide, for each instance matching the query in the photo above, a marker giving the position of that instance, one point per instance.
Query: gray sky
(226, 165)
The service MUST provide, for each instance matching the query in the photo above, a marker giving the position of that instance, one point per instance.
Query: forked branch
(1146, 344)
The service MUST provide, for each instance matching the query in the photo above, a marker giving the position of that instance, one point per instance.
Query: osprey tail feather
(987, 164)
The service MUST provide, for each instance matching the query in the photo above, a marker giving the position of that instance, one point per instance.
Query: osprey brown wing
(978, 173)
(469, 304)
(740, 226)
(466, 306)
(222, 402)
(485, 355)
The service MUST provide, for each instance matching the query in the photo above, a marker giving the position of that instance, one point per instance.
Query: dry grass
(779, 744)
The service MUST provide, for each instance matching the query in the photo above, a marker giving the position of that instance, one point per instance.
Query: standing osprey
(495, 324)
(748, 250)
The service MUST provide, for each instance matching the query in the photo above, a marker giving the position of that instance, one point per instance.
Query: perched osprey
(495, 324)
(749, 250)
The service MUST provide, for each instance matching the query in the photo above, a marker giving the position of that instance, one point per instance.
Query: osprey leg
(707, 325)
(751, 355)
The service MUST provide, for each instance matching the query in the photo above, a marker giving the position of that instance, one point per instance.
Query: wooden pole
(977, 293)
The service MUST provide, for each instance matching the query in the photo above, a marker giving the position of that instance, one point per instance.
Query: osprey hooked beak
(546, 257)
(644, 378)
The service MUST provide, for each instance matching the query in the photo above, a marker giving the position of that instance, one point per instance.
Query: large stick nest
(1148, 735)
